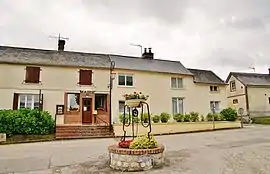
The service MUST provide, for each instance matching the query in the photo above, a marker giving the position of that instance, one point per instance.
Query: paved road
(241, 151)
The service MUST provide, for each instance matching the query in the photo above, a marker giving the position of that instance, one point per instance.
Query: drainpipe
(111, 80)
(247, 103)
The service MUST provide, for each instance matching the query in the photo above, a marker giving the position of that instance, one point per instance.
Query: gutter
(247, 103)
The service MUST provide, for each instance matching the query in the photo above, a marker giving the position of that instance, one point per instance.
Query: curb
(188, 132)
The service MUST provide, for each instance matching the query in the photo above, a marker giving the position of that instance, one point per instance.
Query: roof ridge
(247, 73)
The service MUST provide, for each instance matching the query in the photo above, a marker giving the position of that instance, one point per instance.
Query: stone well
(135, 159)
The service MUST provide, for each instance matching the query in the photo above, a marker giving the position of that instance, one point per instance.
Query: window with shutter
(32, 74)
(85, 77)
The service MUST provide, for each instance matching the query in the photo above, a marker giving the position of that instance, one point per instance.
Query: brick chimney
(61, 45)
(148, 55)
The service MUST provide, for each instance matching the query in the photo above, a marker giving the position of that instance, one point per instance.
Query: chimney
(269, 71)
(148, 55)
(61, 45)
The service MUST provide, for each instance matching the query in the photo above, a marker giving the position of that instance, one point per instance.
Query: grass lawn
(28, 138)
(261, 120)
(170, 128)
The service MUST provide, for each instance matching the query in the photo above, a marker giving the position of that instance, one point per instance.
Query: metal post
(111, 79)
(39, 102)
(241, 111)
(214, 111)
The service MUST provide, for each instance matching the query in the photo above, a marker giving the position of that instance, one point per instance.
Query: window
(122, 107)
(215, 104)
(32, 74)
(85, 77)
(73, 101)
(232, 86)
(213, 88)
(30, 101)
(235, 101)
(125, 80)
(269, 100)
(100, 101)
(177, 106)
(176, 83)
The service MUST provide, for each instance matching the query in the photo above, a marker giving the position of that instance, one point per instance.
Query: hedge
(26, 122)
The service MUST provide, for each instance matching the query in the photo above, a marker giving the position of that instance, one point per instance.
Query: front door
(87, 110)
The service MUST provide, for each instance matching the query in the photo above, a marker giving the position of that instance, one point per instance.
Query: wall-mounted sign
(59, 109)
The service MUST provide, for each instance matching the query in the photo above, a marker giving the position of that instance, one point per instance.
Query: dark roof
(255, 79)
(206, 76)
(156, 65)
(52, 57)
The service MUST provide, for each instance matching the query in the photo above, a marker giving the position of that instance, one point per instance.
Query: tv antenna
(59, 37)
(253, 68)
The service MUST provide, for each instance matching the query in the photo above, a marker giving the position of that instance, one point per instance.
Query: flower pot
(134, 102)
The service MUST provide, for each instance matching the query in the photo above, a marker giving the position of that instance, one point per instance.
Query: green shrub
(143, 142)
(164, 117)
(202, 118)
(187, 118)
(194, 116)
(145, 118)
(229, 114)
(178, 117)
(210, 116)
(26, 122)
(121, 118)
(156, 118)
(261, 120)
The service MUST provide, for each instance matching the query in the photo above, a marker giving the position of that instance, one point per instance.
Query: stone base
(135, 159)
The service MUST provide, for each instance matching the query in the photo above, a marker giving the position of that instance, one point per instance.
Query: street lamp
(137, 45)
(112, 76)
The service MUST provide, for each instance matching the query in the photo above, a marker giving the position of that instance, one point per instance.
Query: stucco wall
(158, 87)
(258, 101)
(55, 81)
(239, 95)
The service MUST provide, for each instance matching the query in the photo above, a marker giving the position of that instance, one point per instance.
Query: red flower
(124, 144)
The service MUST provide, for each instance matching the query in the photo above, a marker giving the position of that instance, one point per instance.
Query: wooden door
(86, 110)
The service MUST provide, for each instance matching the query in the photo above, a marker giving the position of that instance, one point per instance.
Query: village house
(249, 91)
(76, 88)
(172, 87)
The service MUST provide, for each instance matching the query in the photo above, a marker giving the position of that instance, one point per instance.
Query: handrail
(97, 117)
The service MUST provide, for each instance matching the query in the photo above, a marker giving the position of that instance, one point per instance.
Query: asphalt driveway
(236, 151)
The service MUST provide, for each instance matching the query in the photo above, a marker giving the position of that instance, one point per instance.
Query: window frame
(26, 101)
(235, 101)
(219, 102)
(213, 87)
(104, 96)
(122, 101)
(32, 74)
(83, 80)
(232, 89)
(177, 83)
(67, 102)
(125, 80)
(177, 104)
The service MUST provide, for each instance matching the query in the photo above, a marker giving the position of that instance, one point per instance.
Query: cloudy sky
(221, 35)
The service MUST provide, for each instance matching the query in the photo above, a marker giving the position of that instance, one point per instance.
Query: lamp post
(240, 112)
(214, 111)
(137, 45)
(111, 82)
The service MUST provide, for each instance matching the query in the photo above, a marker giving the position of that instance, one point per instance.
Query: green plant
(229, 114)
(121, 118)
(202, 118)
(164, 117)
(261, 120)
(145, 118)
(178, 117)
(26, 122)
(194, 116)
(187, 118)
(136, 95)
(156, 118)
(210, 117)
(143, 142)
